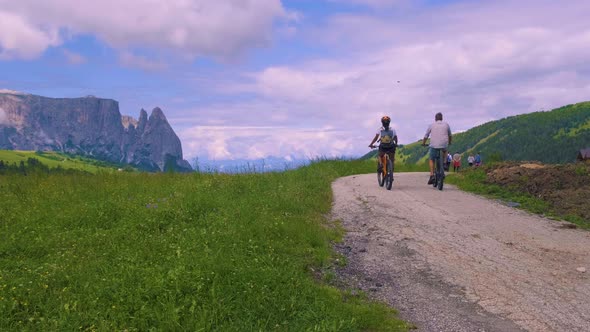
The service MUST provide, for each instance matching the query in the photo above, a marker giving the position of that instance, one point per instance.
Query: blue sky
(251, 79)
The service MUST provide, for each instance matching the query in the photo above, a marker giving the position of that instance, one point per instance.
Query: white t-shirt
(439, 133)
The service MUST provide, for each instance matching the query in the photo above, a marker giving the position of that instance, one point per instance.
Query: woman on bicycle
(440, 138)
(387, 138)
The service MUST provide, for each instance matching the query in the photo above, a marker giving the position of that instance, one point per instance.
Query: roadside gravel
(453, 261)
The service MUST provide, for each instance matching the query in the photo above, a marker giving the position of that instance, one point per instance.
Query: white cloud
(21, 39)
(379, 4)
(250, 142)
(129, 59)
(450, 72)
(464, 62)
(473, 61)
(218, 29)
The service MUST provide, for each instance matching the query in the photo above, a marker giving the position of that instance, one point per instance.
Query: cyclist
(387, 141)
(440, 139)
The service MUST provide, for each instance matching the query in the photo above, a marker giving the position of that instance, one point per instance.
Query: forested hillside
(551, 137)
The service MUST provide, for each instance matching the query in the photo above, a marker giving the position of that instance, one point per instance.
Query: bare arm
(374, 140)
(426, 135)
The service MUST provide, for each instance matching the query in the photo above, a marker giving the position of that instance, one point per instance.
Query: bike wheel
(437, 167)
(440, 183)
(380, 177)
(389, 176)
(440, 178)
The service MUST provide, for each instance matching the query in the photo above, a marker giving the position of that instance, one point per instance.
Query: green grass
(55, 159)
(474, 180)
(176, 252)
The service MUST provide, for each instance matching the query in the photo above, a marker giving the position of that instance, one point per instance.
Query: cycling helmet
(385, 121)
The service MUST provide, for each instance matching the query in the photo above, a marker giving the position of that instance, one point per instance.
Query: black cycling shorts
(387, 149)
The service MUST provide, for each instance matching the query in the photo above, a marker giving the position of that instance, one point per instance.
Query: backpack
(387, 139)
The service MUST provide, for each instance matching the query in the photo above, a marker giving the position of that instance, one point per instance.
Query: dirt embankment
(565, 187)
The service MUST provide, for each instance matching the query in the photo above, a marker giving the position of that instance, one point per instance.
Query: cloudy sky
(249, 79)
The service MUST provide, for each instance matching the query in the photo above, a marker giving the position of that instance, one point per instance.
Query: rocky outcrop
(89, 126)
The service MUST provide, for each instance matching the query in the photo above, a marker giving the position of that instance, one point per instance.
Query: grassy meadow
(199, 252)
(56, 159)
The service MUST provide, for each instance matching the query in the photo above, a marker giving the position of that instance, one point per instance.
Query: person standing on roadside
(440, 139)
(470, 160)
(477, 160)
(456, 161)
(448, 162)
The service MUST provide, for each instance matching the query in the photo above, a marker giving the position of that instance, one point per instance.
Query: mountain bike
(439, 170)
(384, 174)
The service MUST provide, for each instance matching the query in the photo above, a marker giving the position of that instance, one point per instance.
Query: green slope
(551, 137)
(178, 252)
(55, 159)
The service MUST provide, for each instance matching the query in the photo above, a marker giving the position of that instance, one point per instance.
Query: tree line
(34, 166)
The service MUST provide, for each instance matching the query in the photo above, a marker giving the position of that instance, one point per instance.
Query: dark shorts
(433, 152)
(390, 150)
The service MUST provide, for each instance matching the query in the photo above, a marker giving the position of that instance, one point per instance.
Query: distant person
(470, 160)
(456, 162)
(387, 138)
(477, 160)
(440, 139)
(448, 162)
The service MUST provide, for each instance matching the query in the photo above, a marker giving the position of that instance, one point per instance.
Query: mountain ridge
(552, 137)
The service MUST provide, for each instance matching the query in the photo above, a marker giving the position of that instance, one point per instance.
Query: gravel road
(454, 261)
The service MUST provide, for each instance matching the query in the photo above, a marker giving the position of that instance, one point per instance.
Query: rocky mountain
(91, 127)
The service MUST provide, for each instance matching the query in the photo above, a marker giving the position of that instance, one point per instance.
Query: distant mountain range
(268, 164)
(551, 137)
(89, 126)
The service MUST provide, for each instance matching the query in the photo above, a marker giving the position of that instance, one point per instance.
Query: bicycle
(385, 174)
(439, 170)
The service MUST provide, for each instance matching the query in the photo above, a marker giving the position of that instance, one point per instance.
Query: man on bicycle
(387, 140)
(440, 139)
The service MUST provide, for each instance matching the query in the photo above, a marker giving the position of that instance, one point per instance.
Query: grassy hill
(56, 159)
(550, 137)
(178, 252)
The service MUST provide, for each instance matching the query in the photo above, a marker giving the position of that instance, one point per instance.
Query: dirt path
(453, 261)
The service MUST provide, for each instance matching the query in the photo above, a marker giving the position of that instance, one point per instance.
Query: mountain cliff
(89, 126)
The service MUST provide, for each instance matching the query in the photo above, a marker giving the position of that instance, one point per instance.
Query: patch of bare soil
(565, 187)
